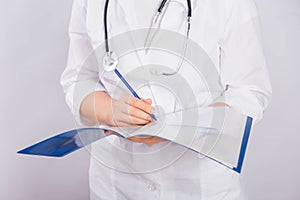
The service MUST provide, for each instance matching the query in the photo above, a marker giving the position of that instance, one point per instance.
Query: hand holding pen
(99, 107)
(131, 90)
(129, 110)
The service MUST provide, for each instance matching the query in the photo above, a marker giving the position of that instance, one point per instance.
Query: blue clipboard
(73, 140)
(65, 143)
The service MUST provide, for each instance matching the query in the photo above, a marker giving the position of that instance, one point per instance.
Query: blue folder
(65, 143)
(70, 141)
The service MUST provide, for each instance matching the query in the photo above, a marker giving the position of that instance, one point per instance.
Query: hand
(129, 110)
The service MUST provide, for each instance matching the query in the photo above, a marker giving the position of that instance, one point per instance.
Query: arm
(85, 94)
(99, 107)
(125, 111)
(80, 78)
(243, 67)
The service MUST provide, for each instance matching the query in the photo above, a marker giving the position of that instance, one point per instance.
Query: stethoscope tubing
(159, 10)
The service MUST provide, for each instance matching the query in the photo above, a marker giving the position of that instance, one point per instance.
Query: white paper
(216, 132)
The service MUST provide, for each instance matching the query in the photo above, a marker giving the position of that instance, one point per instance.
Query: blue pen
(131, 90)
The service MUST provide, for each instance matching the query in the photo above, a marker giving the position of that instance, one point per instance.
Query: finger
(139, 121)
(122, 122)
(107, 132)
(126, 98)
(127, 119)
(154, 141)
(121, 118)
(147, 101)
(140, 104)
(146, 140)
(135, 112)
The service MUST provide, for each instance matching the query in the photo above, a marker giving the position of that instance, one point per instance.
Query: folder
(218, 133)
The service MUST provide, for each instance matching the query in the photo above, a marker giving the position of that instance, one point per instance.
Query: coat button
(151, 187)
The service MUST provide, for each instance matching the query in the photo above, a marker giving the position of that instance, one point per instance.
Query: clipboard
(235, 128)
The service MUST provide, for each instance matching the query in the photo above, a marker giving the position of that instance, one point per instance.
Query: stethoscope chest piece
(110, 61)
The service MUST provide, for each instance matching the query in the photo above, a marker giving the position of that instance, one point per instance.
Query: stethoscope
(111, 62)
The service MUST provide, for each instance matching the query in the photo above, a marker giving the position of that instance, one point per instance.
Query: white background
(33, 52)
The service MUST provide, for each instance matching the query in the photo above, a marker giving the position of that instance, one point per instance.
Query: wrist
(102, 107)
(107, 114)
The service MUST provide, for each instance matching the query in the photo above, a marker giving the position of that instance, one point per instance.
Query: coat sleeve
(80, 77)
(243, 69)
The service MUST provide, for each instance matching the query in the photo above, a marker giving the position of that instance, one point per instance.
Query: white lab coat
(228, 33)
